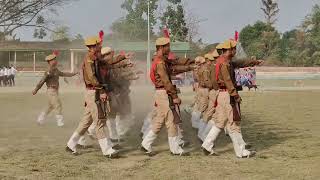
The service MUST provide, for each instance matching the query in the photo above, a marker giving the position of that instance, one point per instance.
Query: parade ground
(280, 120)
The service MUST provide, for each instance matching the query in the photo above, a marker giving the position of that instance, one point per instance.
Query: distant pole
(9, 57)
(148, 50)
(34, 61)
(15, 58)
(72, 61)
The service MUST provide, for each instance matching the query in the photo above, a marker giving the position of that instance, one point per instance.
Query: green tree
(260, 40)
(61, 34)
(134, 25)
(174, 19)
(15, 14)
(270, 9)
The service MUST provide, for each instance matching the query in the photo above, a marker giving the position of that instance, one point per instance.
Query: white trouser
(208, 143)
(239, 147)
(112, 127)
(146, 125)
(148, 140)
(106, 146)
(207, 129)
(59, 119)
(195, 118)
(202, 126)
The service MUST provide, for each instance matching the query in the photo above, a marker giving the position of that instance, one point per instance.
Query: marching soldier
(209, 114)
(203, 75)
(112, 68)
(195, 115)
(166, 99)
(228, 101)
(51, 78)
(96, 110)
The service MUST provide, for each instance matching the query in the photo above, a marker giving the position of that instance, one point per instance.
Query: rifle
(235, 109)
(175, 110)
(102, 106)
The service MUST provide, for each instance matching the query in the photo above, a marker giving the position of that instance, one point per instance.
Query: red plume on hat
(101, 34)
(55, 52)
(166, 33)
(236, 35)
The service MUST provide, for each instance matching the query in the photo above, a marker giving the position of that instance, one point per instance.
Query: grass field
(283, 126)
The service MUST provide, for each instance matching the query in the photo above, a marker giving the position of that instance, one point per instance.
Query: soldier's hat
(209, 56)
(92, 40)
(51, 57)
(106, 50)
(162, 41)
(200, 60)
(228, 44)
(215, 53)
(233, 43)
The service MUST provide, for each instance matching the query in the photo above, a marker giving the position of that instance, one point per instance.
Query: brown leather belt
(160, 88)
(90, 87)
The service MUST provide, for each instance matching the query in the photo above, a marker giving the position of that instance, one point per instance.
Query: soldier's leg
(203, 101)
(81, 130)
(147, 123)
(182, 142)
(156, 123)
(222, 118)
(235, 134)
(13, 82)
(195, 115)
(173, 137)
(43, 115)
(57, 105)
(209, 114)
(166, 115)
(100, 130)
(112, 128)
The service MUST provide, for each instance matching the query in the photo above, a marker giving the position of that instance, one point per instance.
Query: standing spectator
(1, 77)
(13, 72)
(5, 75)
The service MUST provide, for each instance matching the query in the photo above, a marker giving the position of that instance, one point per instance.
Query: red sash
(155, 62)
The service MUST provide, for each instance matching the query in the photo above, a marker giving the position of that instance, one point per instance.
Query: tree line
(297, 47)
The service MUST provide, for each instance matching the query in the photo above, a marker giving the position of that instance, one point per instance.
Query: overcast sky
(221, 17)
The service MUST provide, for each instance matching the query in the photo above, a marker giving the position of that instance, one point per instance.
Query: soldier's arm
(206, 78)
(182, 61)
(227, 80)
(244, 63)
(66, 74)
(113, 60)
(42, 81)
(171, 90)
(177, 69)
(186, 61)
(120, 64)
(89, 69)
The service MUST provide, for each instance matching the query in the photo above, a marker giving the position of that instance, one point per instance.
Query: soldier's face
(166, 49)
(234, 51)
(229, 53)
(53, 62)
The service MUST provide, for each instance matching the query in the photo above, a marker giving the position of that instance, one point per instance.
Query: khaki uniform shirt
(226, 77)
(204, 76)
(51, 78)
